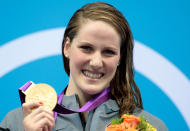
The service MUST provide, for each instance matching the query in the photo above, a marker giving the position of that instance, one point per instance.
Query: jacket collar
(72, 102)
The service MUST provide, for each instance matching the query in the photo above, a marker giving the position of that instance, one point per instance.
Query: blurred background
(30, 50)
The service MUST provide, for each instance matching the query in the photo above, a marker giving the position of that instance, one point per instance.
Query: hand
(39, 119)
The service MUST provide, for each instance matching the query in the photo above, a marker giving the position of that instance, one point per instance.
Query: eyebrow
(107, 47)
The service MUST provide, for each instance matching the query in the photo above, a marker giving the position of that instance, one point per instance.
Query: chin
(93, 90)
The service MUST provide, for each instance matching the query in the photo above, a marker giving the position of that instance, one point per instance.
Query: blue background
(161, 25)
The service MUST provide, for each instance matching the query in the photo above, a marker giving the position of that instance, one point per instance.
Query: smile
(92, 75)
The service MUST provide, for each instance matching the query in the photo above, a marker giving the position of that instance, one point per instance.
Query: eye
(86, 48)
(109, 52)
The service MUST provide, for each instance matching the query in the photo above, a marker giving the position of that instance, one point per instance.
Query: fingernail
(41, 103)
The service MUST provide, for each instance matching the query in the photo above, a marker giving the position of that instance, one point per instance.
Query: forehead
(98, 31)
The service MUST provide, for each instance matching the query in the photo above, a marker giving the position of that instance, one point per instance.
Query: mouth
(92, 75)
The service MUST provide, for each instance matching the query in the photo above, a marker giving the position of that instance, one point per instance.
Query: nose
(96, 61)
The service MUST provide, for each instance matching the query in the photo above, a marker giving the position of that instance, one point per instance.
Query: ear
(119, 60)
(67, 45)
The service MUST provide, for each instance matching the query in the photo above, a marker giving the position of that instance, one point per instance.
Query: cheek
(112, 65)
(77, 59)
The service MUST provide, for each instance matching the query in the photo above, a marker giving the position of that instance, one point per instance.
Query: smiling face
(93, 57)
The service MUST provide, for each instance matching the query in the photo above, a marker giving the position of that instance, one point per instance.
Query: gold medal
(42, 93)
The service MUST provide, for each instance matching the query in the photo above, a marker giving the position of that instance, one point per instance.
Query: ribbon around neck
(90, 105)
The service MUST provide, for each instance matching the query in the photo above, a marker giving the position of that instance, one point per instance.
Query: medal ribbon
(90, 105)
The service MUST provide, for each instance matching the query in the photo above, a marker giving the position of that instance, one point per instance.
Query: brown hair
(123, 87)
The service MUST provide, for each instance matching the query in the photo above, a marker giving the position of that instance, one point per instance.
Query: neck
(83, 97)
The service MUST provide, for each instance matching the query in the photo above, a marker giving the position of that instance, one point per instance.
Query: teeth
(92, 75)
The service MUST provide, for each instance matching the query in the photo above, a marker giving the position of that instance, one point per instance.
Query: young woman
(97, 52)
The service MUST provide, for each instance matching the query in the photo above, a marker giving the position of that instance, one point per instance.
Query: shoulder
(13, 119)
(16, 114)
(153, 120)
(109, 106)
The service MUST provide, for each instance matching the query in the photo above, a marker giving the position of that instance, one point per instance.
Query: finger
(38, 118)
(27, 107)
(46, 124)
(45, 128)
(42, 125)
(41, 113)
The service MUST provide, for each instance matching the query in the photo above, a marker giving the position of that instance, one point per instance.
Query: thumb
(29, 106)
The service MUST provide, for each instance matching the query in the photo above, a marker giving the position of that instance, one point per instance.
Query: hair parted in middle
(123, 87)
